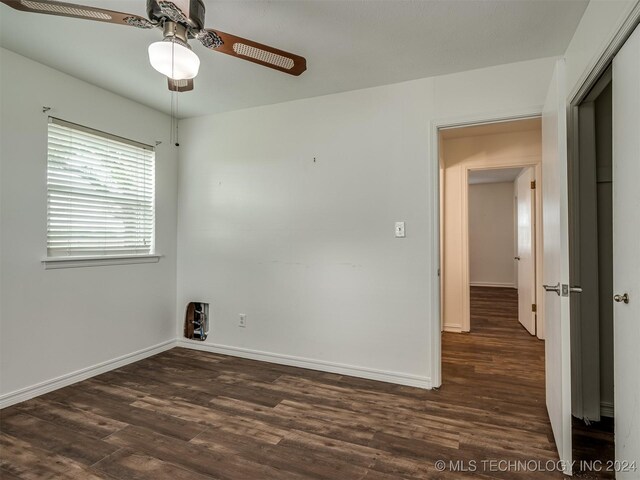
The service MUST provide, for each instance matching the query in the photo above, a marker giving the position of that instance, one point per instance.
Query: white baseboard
(452, 328)
(492, 284)
(27, 393)
(47, 386)
(606, 409)
(321, 365)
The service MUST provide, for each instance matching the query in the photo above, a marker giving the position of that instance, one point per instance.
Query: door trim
(626, 25)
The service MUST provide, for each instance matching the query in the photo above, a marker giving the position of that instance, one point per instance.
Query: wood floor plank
(57, 439)
(194, 388)
(7, 475)
(80, 421)
(124, 412)
(129, 465)
(293, 460)
(22, 460)
(291, 419)
(191, 456)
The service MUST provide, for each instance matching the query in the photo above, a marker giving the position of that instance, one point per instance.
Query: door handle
(516, 258)
(575, 289)
(624, 298)
(552, 288)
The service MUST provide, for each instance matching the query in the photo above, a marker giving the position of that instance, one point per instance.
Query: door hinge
(533, 185)
(534, 307)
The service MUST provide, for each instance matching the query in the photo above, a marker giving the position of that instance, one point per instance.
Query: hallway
(495, 376)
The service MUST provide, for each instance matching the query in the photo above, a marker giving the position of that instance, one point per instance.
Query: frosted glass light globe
(173, 59)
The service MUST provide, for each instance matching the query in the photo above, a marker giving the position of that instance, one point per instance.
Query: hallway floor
(497, 372)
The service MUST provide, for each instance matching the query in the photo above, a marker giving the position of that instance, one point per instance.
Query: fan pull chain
(174, 103)
(174, 133)
(176, 119)
(174, 129)
(171, 100)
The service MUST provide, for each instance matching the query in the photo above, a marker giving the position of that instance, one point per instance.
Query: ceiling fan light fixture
(174, 59)
(180, 21)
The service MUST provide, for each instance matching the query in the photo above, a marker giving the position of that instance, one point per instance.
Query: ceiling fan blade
(62, 9)
(180, 85)
(253, 51)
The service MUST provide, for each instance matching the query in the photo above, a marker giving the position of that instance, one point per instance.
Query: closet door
(626, 255)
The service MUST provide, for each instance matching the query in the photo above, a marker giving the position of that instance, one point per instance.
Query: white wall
(492, 234)
(54, 322)
(306, 249)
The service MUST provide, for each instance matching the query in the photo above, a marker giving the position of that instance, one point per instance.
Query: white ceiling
(494, 175)
(349, 44)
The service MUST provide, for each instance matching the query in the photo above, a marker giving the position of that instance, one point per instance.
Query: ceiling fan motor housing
(160, 11)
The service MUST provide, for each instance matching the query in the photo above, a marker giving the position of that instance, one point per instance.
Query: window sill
(52, 263)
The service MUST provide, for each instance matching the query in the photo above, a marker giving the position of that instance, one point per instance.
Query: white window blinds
(100, 193)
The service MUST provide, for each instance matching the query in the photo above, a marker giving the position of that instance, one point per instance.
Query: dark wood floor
(190, 415)
(594, 442)
(498, 371)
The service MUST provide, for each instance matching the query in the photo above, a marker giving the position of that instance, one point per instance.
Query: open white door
(526, 251)
(556, 264)
(626, 255)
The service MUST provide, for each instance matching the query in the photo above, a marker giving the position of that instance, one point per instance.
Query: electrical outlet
(400, 230)
(243, 320)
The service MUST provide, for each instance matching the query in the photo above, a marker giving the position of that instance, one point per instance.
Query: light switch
(399, 229)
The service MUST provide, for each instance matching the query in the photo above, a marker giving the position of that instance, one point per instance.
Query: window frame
(75, 261)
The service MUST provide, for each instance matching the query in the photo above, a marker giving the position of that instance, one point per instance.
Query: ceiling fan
(180, 21)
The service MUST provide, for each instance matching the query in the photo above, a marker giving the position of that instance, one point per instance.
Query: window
(100, 194)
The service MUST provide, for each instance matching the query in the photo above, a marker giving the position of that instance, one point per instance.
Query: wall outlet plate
(400, 230)
(243, 320)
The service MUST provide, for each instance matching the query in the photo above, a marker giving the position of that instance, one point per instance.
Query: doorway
(490, 352)
(501, 238)
(591, 269)
(490, 220)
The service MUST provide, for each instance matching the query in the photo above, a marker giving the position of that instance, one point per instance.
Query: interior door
(556, 264)
(526, 250)
(626, 254)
